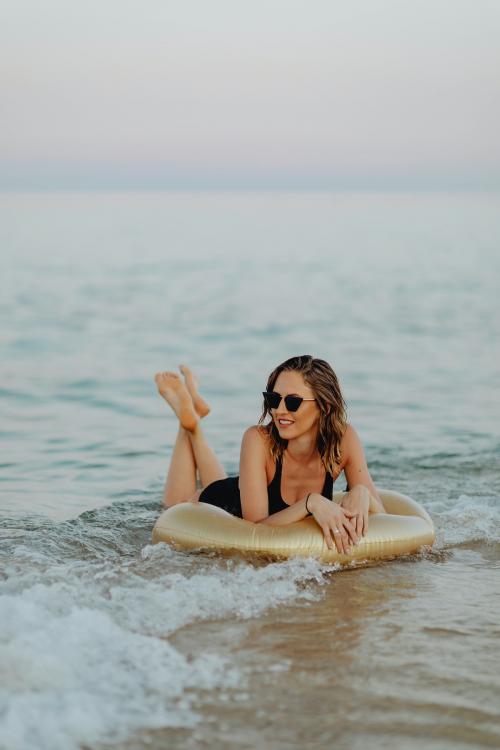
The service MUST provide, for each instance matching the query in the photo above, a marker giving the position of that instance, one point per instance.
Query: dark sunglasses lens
(293, 402)
(271, 399)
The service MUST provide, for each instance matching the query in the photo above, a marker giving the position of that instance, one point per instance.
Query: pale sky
(266, 93)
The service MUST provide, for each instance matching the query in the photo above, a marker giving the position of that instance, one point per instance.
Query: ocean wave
(79, 676)
(84, 645)
(467, 519)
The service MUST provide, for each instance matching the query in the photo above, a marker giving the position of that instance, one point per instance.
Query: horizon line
(252, 187)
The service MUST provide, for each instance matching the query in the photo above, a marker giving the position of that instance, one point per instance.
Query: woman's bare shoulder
(348, 432)
(256, 443)
(256, 435)
(350, 441)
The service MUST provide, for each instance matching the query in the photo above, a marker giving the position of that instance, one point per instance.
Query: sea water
(109, 642)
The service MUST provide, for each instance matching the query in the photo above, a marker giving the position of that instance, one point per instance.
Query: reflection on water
(381, 658)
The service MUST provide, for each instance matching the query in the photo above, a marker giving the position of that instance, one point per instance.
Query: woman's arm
(253, 479)
(295, 512)
(253, 485)
(334, 521)
(356, 469)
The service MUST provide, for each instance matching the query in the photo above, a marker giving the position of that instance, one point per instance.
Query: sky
(255, 93)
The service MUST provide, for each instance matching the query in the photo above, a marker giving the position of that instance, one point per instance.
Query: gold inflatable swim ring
(405, 528)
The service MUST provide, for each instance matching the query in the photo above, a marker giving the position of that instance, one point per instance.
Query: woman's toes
(167, 379)
(189, 377)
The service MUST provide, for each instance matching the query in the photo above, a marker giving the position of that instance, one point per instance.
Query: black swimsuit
(225, 493)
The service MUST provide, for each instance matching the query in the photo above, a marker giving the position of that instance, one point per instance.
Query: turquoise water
(105, 639)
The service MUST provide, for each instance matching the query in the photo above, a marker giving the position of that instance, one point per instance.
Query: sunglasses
(272, 400)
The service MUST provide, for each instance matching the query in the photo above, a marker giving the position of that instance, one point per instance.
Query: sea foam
(84, 647)
(467, 519)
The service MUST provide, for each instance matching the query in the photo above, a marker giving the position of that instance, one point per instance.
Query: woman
(297, 455)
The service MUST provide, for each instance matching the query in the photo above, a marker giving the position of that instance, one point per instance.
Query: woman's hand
(334, 522)
(358, 504)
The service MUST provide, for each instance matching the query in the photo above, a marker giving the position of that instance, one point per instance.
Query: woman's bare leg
(180, 484)
(191, 450)
(207, 463)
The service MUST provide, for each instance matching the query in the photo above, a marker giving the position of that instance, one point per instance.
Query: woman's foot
(200, 405)
(175, 393)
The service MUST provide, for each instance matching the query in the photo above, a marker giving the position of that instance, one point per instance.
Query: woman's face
(292, 424)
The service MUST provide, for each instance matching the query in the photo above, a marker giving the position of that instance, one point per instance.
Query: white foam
(80, 677)
(467, 519)
(84, 650)
(239, 590)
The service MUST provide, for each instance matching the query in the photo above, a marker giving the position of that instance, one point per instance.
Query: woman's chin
(285, 431)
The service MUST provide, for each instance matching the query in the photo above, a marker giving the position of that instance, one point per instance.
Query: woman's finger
(359, 524)
(344, 536)
(338, 539)
(328, 537)
(350, 517)
(350, 528)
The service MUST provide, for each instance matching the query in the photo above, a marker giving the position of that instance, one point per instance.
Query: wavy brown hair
(320, 377)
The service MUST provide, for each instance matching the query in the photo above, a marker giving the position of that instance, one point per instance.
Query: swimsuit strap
(328, 486)
(274, 488)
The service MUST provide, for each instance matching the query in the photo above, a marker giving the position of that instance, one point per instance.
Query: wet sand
(401, 654)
